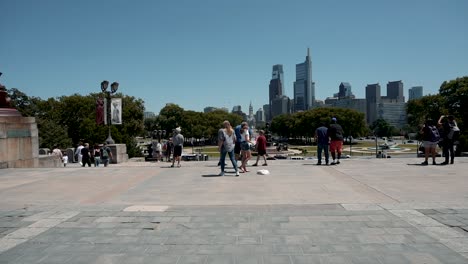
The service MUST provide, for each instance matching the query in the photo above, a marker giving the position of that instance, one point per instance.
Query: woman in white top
(245, 147)
(226, 141)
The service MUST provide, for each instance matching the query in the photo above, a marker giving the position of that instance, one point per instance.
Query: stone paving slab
(362, 211)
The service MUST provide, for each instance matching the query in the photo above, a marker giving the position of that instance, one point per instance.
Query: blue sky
(220, 53)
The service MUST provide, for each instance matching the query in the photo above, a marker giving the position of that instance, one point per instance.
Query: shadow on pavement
(211, 175)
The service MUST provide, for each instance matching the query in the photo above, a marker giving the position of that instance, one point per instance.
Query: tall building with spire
(304, 88)
(251, 114)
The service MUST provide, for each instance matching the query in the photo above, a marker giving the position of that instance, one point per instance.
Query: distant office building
(393, 111)
(415, 92)
(251, 110)
(276, 87)
(209, 109)
(280, 105)
(260, 117)
(395, 91)
(372, 100)
(278, 73)
(212, 109)
(345, 91)
(266, 111)
(359, 105)
(237, 108)
(148, 114)
(304, 88)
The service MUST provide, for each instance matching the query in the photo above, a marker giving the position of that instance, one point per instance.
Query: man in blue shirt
(321, 137)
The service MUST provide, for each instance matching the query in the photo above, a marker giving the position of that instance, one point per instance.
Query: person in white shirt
(78, 152)
(65, 159)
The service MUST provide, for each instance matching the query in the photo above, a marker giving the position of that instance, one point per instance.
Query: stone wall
(19, 143)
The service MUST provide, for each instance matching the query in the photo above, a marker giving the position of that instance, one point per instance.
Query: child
(65, 159)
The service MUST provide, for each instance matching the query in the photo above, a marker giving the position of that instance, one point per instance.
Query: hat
(334, 119)
(178, 130)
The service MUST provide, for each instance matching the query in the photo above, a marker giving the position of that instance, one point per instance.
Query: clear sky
(220, 53)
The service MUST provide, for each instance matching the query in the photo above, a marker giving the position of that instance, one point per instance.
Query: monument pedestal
(119, 153)
(19, 141)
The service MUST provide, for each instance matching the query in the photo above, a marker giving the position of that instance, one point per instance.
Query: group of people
(237, 144)
(443, 133)
(329, 138)
(159, 150)
(98, 154)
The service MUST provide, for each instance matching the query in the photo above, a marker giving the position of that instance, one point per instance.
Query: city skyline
(220, 54)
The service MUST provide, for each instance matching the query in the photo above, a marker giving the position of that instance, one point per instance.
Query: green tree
(382, 128)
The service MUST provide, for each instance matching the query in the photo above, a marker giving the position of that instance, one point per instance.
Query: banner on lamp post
(116, 111)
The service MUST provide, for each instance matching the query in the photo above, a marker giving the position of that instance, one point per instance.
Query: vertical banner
(106, 102)
(116, 111)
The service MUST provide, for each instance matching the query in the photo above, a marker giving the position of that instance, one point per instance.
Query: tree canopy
(303, 124)
(66, 120)
(451, 100)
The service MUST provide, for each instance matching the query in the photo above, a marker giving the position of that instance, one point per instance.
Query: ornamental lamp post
(114, 88)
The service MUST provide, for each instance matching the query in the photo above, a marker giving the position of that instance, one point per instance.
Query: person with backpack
(431, 138)
(106, 154)
(451, 132)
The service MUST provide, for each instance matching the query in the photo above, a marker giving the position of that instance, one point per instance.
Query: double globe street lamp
(114, 87)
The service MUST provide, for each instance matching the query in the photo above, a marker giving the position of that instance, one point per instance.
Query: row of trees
(302, 125)
(193, 124)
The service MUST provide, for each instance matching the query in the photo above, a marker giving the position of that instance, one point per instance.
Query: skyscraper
(276, 87)
(372, 101)
(415, 92)
(304, 88)
(277, 73)
(395, 91)
(345, 91)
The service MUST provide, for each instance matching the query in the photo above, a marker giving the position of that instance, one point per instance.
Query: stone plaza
(362, 211)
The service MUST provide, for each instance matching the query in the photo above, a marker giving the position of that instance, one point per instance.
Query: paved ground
(361, 211)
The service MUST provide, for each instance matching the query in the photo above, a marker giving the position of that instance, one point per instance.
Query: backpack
(435, 136)
(454, 132)
(105, 153)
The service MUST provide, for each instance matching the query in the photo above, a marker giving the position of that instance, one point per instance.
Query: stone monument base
(119, 153)
(19, 141)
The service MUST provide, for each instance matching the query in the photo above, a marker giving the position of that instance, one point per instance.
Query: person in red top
(261, 147)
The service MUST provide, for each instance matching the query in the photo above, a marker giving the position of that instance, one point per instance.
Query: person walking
(449, 128)
(78, 153)
(226, 144)
(97, 155)
(106, 154)
(86, 155)
(261, 145)
(245, 147)
(431, 137)
(65, 159)
(335, 132)
(323, 142)
(169, 147)
(57, 152)
(178, 140)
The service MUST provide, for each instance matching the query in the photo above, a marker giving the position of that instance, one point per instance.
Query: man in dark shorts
(178, 141)
(261, 148)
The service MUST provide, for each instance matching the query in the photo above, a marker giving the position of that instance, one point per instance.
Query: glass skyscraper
(304, 90)
(415, 92)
